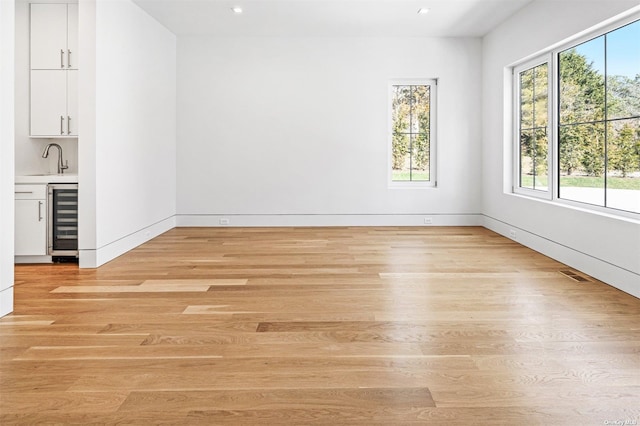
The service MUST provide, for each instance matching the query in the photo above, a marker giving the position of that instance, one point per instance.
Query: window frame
(551, 55)
(433, 102)
(516, 70)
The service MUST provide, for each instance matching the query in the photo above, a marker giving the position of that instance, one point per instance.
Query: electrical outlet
(512, 233)
(224, 221)
(428, 221)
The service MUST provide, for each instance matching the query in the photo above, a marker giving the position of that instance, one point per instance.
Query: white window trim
(551, 54)
(433, 134)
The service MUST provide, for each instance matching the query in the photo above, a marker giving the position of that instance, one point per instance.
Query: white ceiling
(366, 18)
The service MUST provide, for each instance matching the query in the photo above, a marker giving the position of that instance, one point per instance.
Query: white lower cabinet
(31, 220)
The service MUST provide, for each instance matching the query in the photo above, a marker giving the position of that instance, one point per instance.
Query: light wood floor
(320, 325)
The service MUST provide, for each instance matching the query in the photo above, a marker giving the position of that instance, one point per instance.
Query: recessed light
(423, 11)
(237, 10)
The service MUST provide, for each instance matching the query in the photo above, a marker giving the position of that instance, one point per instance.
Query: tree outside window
(411, 139)
(599, 120)
(595, 142)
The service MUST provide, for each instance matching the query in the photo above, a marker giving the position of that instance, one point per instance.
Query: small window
(412, 132)
(533, 108)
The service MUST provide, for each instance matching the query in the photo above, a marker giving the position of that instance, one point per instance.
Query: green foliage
(421, 151)
(534, 119)
(623, 96)
(587, 182)
(400, 150)
(624, 151)
(583, 101)
(582, 91)
(400, 116)
(570, 149)
(411, 124)
(534, 150)
(541, 153)
(592, 149)
(405, 175)
(421, 111)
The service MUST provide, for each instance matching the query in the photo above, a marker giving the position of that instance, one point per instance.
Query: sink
(51, 174)
(48, 178)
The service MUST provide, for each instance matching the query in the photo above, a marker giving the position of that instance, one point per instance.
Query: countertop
(48, 178)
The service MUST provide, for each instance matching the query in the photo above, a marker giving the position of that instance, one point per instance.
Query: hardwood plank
(55, 401)
(192, 282)
(162, 288)
(365, 398)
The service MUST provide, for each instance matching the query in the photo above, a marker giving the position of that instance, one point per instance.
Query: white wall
(299, 127)
(28, 151)
(128, 129)
(7, 22)
(603, 246)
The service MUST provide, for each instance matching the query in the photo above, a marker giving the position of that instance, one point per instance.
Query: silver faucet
(61, 166)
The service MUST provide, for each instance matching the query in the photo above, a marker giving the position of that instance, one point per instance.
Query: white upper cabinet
(72, 36)
(54, 36)
(72, 103)
(54, 75)
(49, 115)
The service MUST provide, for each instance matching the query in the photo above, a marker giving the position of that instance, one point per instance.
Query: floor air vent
(574, 276)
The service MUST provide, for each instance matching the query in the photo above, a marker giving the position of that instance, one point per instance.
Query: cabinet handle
(61, 124)
(39, 211)
(68, 125)
(24, 192)
(69, 58)
(61, 58)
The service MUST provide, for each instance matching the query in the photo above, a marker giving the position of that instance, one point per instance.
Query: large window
(412, 132)
(599, 120)
(595, 145)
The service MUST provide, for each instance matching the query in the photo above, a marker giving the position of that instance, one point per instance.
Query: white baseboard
(32, 259)
(617, 277)
(6, 301)
(184, 220)
(102, 255)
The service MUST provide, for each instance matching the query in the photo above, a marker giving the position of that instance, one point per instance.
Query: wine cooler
(63, 219)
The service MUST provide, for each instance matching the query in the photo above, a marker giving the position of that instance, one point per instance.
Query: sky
(623, 51)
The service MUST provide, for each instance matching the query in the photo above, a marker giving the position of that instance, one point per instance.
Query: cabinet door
(72, 103)
(48, 102)
(31, 228)
(72, 36)
(48, 36)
